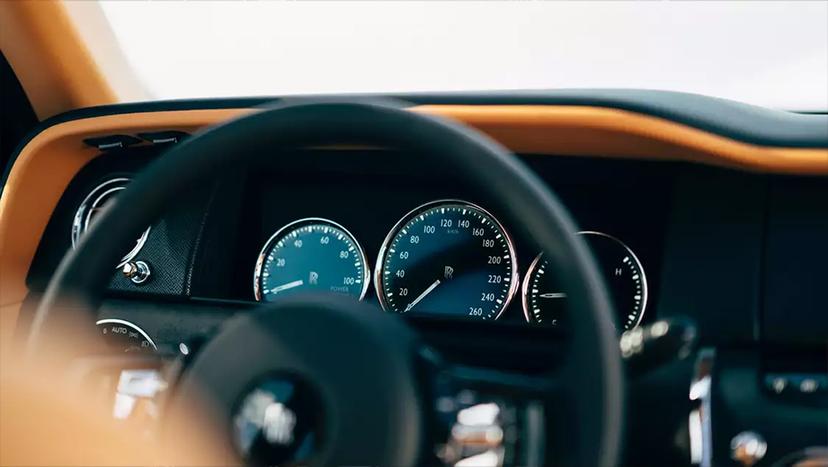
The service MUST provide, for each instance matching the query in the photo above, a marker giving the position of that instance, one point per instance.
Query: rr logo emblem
(278, 424)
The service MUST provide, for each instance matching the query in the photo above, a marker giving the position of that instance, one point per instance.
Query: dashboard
(374, 225)
(737, 246)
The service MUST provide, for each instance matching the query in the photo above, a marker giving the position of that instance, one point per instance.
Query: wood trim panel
(51, 159)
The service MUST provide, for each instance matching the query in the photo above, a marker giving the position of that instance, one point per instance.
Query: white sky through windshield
(766, 53)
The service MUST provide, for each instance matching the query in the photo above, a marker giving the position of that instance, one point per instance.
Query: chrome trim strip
(700, 425)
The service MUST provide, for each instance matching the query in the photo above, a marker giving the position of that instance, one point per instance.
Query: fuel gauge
(544, 300)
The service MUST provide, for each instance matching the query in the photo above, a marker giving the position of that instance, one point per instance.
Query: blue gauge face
(447, 258)
(544, 300)
(311, 255)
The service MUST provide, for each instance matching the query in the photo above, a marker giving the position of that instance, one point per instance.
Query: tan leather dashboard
(50, 160)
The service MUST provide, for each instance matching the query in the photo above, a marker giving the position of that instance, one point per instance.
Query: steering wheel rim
(79, 282)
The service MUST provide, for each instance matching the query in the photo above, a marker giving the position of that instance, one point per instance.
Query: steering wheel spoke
(134, 386)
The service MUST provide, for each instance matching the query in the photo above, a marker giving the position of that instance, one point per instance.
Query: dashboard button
(800, 384)
(105, 143)
(776, 383)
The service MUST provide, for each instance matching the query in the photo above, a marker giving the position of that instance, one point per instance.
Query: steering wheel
(386, 398)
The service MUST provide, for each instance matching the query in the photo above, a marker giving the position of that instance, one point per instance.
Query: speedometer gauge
(447, 258)
(544, 302)
(311, 254)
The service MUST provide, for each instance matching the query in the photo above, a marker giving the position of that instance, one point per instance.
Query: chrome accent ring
(524, 299)
(83, 215)
(129, 324)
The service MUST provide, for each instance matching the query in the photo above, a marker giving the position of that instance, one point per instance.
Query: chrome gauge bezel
(131, 325)
(257, 270)
(524, 290)
(378, 270)
(536, 263)
(83, 215)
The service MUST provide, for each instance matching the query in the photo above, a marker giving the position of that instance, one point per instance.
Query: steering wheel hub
(321, 379)
(278, 422)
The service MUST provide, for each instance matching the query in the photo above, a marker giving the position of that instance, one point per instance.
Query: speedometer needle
(423, 295)
(553, 295)
(287, 286)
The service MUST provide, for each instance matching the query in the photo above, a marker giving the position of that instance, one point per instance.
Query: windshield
(765, 53)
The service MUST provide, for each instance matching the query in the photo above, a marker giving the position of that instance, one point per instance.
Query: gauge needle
(553, 295)
(287, 286)
(423, 295)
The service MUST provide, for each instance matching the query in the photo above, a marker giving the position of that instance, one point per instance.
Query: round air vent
(94, 203)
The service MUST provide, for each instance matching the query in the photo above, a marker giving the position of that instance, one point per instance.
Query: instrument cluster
(424, 248)
(447, 258)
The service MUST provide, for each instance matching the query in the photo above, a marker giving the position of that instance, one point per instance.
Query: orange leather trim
(48, 162)
(596, 131)
(50, 58)
(42, 172)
